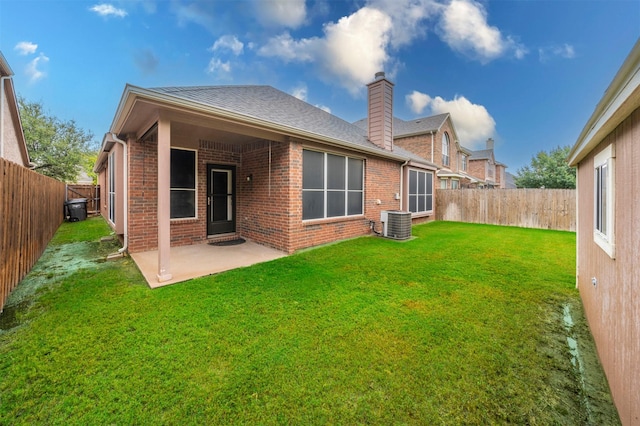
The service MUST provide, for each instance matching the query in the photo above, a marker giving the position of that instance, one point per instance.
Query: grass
(460, 325)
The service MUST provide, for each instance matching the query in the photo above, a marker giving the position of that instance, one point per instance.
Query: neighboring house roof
(14, 112)
(620, 99)
(267, 107)
(510, 180)
(418, 126)
(483, 154)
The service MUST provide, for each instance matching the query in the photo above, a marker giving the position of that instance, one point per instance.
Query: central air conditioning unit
(396, 224)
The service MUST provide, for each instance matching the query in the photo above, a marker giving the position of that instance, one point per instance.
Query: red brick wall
(263, 203)
(268, 207)
(382, 182)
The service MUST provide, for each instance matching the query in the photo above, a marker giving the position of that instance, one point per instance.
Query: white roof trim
(620, 99)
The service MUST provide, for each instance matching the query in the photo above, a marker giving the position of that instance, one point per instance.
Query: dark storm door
(221, 199)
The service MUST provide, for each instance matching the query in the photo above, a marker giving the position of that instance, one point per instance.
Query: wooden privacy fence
(90, 192)
(31, 210)
(527, 208)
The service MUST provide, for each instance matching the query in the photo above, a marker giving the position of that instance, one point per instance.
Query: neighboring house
(12, 143)
(510, 181)
(435, 139)
(607, 155)
(184, 165)
(484, 167)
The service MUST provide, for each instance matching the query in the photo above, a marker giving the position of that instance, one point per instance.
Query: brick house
(13, 146)
(484, 167)
(607, 156)
(185, 165)
(435, 139)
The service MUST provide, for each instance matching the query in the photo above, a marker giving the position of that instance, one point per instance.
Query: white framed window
(183, 183)
(443, 183)
(604, 200)
(464, 162)
(332, 185)
(112, 187)
(420, 191)
(455, 184)
(445, 149)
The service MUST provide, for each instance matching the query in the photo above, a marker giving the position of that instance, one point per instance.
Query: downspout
(125, 176)
(402, 166)
(2, 98)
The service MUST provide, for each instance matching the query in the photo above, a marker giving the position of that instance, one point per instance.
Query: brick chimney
(490, 143)
(380, 112)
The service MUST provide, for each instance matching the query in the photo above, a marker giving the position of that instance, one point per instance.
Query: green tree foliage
(58, 148)
(548, 170)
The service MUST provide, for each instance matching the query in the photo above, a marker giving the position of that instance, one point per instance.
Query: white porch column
(164, 200)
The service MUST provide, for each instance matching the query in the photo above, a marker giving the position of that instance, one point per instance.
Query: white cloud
(418, 101)
(351, 52)
(465, 29)
(473, 122)
(106, 9)
(200, 12)
(33, 68)
(26, 48)
(408, 17)
(565, 51)
(288, 49)
(228, 42)
(300, 92)
(324, 108)
(281, 13)
(217, 66)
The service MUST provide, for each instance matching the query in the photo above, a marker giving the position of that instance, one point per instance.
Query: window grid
(338, 197)
(445, 149)
(112, 188)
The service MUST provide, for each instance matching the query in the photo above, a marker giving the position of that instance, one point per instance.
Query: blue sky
(527, 73)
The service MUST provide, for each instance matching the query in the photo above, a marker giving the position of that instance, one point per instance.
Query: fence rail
(31, 210)
(527, 208)
(90, 192)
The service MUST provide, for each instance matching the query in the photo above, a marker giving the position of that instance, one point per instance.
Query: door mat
(227, 243)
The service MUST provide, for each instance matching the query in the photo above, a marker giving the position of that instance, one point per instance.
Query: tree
(548, 171)
(57, 148)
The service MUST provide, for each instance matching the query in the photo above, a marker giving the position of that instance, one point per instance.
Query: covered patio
(198, 260)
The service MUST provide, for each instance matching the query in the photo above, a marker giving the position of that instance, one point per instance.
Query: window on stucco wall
(604, 200)
(332, 185)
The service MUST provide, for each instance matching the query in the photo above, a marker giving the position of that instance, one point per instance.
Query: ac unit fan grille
(399, 225)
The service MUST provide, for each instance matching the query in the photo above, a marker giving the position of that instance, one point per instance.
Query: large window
(464, 162)
(420, 191)
(332, 185)
(604, 205)
(183, 183)
(445, 149)
(112, 187)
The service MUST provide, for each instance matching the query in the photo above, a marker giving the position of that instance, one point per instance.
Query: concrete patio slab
(188, 262)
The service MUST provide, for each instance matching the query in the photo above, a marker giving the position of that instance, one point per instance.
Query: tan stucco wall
(612, 306)
(11, 143)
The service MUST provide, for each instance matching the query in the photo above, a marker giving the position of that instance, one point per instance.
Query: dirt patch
(57, 263)
(579, 391)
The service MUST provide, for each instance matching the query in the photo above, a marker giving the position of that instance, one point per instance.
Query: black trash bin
(76, 209)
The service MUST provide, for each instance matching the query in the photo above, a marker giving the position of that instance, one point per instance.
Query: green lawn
(461, 325)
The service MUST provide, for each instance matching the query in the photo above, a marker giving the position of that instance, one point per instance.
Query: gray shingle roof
(274, 106)
(483, 154)
(411, 127)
